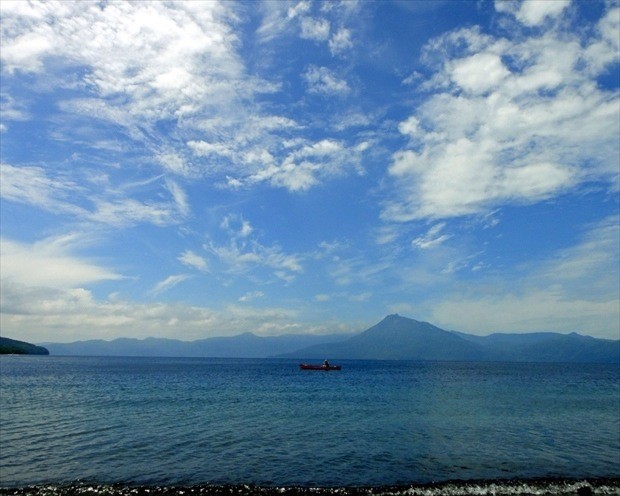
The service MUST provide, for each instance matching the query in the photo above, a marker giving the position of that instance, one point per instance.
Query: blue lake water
(167, 421)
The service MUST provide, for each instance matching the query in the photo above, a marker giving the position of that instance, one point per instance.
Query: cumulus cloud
(532, 12)
(479, 73)
(508, 121)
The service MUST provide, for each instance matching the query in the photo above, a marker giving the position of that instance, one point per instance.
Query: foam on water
(550, 487)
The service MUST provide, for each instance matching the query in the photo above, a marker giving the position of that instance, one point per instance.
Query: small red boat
(305, 366)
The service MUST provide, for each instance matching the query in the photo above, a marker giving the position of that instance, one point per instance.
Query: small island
(14, 347)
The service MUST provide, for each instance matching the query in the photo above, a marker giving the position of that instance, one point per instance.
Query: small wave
(551, 487)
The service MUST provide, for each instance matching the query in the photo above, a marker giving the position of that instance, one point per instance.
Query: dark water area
(109, 425)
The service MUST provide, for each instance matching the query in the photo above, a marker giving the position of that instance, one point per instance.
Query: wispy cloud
(193, 260)
(434, 237)
(185, 68)
(549, 295)
(252, 295)
(34, 186)
(169, 282)
(51, 262)
(244, 252)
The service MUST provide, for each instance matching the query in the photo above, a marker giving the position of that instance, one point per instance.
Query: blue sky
(200, 169)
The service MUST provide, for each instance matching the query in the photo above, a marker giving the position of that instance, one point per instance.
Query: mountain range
(400, 338)
(394, 338)
(246, 345)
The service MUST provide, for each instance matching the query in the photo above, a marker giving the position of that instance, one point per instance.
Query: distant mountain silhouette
(394, 338)
(246, 345)
(548, 347)
(14, 347)
(400, 338)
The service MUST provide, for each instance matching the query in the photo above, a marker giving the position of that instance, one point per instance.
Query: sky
(204, 168)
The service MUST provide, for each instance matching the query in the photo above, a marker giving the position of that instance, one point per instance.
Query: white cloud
(144, 63)
(50, 263)
(479, 73)
(352, 298)
(252, 295)
(168, 283)
(532, 12)
(171, 78)
(128, 211)
(240, 259)
(193, 260)
(490, 136)
(175, 163)
(323, 81)
(179, 37)
(33, 186)
(592, 264)
(604, 50)
(236, 226)
(434, 237)
(275, 20)
(314, 29)
(244, 252)
(66, 315)
(12, 110)
(179, 197)
(60, 194)
(322, 297)
(310, 163)
(340, 41)
(204, 149)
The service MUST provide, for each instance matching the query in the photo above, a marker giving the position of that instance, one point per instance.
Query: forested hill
(14, 347)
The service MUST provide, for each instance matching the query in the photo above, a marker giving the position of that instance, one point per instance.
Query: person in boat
(326, 364)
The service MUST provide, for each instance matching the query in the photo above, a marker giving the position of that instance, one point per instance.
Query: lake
(197, 421)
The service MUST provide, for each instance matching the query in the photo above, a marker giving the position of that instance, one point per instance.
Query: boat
(306, 366)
